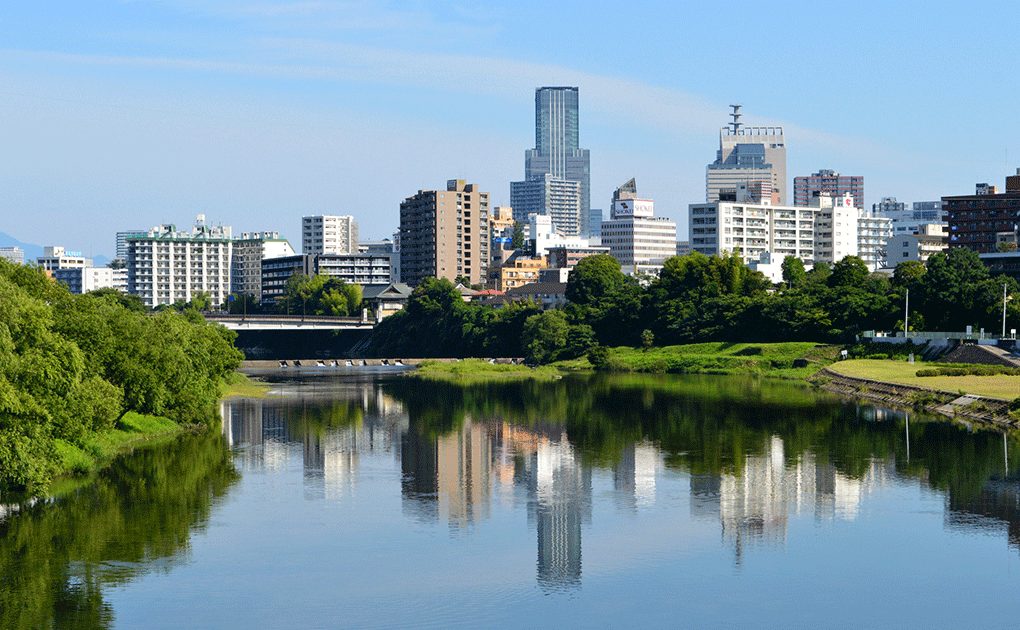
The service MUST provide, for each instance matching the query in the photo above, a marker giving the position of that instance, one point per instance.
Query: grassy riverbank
(133, 430)
(904, 373)
(770, 359)
(478, 368)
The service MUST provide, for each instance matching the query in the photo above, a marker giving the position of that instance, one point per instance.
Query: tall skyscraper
(556, 157)
(804, 188)
(747, 154)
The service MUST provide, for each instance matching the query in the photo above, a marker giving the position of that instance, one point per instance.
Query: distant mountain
(31, 251)
(35, 251)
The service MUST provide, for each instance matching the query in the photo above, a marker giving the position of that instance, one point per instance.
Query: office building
(804, 188)
(976, 221)
(166, 266)
(557, 155)
(54, 258)
(246, 260)
(445, 234)
(329, 234)
(634, 235)
(747, 154)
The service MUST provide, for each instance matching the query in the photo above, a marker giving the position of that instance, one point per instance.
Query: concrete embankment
(983, 409)
(355, 363)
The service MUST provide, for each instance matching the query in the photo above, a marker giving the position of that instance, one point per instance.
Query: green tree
(849, 272)
(517, 238)
(544, 336)
(794, 274)
(593, 277)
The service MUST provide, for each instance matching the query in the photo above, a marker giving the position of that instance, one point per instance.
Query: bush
(927, 372)
(878, 356)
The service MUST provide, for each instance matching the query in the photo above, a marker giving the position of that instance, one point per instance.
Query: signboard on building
(638, 208)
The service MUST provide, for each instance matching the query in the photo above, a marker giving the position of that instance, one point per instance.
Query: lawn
(999, 386)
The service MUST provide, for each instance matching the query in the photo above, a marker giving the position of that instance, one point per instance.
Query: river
(365, 499)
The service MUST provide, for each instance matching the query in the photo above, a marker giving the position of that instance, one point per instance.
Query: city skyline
(127, 116)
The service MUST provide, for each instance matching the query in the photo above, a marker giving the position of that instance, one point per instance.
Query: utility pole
(906, 314)
(1003, 311)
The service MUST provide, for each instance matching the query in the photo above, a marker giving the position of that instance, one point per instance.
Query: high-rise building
(804, 188)
(166, 266)
(556, 154)
(873, 234)
(246, 260)
(329, 234)
(122, 242)
(976, 221)
(80, 280)
(558, 199)
(747, 154)
(445, 234)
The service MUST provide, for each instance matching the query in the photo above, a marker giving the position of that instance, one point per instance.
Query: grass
(241, 385)
(999, 386)
(132, 429)
(475, 368)
(769, 359)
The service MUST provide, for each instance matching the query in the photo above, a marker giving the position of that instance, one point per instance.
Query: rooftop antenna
(735, 125)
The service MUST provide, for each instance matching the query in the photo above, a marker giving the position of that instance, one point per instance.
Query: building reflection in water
(454, 478)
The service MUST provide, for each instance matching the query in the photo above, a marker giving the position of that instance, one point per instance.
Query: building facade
(747, 154)
(329, 234)
(557, 154)
(246, 260)
(15, 255)
(873, 234)
(976, 221)
(633, 234)
(166, 266)
(548, 196)
(804, 188)
(81, 280)
(54, 258)
(445, 234)
(929, 239)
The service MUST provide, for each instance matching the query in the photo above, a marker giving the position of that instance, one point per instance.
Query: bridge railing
(322, 319)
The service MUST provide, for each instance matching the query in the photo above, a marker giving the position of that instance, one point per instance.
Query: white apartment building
(930, 239)
(635, 236)
(54, 258)
(756, 230)
(329, 234)
(836, 234)
(873, 234)
(246, 260)
(544, 235)
(165, 266)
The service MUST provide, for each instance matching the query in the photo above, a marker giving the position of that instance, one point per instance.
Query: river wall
(992, 411)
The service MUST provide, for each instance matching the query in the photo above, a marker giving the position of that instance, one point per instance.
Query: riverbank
(982, 398)
(480, 368)
(76, 463)
(792, 360)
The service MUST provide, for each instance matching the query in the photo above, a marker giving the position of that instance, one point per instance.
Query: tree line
(72, 365)
(697, 298)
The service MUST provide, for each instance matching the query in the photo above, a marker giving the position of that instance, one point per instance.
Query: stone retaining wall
(996, 411)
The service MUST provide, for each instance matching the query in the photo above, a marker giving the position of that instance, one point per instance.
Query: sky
(129, 114)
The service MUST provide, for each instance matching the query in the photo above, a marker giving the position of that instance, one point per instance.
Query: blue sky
(124, 115)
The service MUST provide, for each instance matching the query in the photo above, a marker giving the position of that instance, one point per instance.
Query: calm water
(379, 501)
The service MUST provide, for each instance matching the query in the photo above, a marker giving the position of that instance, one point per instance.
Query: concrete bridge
(290, 322)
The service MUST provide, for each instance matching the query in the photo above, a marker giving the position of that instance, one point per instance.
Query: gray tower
(556, 153)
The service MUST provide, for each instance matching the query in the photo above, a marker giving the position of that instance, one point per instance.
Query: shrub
(878, 356)
(927, 372)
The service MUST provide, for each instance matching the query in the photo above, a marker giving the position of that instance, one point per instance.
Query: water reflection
(754, 456)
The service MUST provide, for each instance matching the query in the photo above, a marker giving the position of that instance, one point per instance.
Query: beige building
(519, 271)
(930, 239)
(445, 234)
